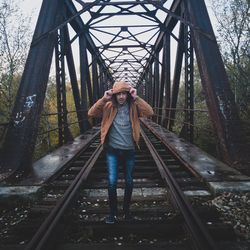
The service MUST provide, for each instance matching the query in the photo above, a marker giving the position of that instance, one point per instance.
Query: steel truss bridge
(149, 43)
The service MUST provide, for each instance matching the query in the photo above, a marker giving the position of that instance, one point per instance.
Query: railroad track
(71, 212)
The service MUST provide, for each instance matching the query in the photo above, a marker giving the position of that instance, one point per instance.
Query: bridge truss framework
(121, 40)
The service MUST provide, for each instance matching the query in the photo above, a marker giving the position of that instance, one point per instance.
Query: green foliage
(234, 39)
(48, 141)
(14, 40)
(204, 136)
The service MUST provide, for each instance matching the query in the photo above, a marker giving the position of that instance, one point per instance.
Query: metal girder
(118, 3)
(221, 106)
(73, 80)
(78, 25)
(101, 80)
(169, 24)
(125, 47)
(165, 87)
(176, 78)
(156, 82)
(84, 70)
(95, 81)
(22, 132)
(188, 126)
(63, 129)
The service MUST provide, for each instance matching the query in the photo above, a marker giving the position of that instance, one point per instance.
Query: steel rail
(41, 238)
(201, 237)
(172, 150)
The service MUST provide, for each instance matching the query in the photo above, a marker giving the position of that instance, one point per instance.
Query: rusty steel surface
(64, 133)
(22, 132)
(219, 97)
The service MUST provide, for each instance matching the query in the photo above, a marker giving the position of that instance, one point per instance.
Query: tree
(15, 37)
(234, 39)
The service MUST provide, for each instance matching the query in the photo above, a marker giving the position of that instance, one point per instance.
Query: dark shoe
(111, 219)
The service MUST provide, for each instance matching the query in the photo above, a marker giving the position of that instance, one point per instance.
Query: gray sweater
(120, 134)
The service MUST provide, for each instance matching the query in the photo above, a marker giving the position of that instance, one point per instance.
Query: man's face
(121, 97)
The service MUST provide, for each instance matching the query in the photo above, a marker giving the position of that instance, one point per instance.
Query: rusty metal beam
(63, 128)
(22, 132)
(221, 106)
(84, 77)
(164, 102)
(176, 78)
(73, 80)
(188, 127)
(169, 24)
(79, 27)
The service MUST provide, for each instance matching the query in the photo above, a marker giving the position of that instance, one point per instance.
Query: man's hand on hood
(108, 94)
(133, 92)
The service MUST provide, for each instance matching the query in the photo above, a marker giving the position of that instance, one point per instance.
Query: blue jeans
(114, 158)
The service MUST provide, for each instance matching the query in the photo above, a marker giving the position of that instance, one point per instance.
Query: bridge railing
(203, 134)
(48, 139)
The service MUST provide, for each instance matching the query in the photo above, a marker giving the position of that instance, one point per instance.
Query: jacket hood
(120, 87)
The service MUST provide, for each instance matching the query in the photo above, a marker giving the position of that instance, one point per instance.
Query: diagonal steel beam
(78, 25)
(220, 101)
(22, 132)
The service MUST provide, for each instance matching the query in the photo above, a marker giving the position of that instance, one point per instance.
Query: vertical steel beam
(105, 80)
(222, 109)
(85, 67)
(109, 81)
(176, 79)
(99, 93)
(139, 90)
(101, 81)
(167, 76)
(147, 87)
(95, 81)
(164, 104)
(63, 129)
(151, 87)
(188, 127)
(73, 80)
(156, 85)
(143, 89)
(160, 103)
(22, 132)
(156, 79)
(90, 93)
(83, 72)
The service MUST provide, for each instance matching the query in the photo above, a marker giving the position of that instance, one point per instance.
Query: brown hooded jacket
(108, 110)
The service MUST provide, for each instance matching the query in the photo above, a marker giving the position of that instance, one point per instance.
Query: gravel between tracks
(235, 210)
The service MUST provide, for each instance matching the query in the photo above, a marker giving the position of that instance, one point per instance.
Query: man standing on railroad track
(120, 109)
